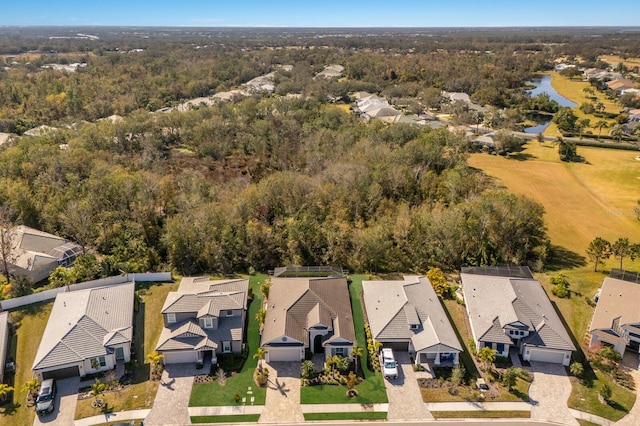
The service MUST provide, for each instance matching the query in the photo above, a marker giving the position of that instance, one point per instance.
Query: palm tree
(331, 361)
(154, 359)
(261, 315)
(583, 124)
(5, 390)
(260, 353)
(31, 387)
(356, 353)
(600, 124)
(97, 389)
(487, 356)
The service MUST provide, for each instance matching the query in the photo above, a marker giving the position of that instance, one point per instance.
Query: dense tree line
(266, 182)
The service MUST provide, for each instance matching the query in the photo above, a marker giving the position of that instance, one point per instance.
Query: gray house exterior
(509, 308)
(202, 319)
(88, 331)
(307, 313)
(407, 315)
(5, 319)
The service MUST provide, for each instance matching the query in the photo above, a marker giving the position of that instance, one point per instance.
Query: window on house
(229, 313)
(415, 326)
(522, 333)
(500, 347)
(98, 362)
(339, 351)
(208, 322)
(171, 318)
(226, 347)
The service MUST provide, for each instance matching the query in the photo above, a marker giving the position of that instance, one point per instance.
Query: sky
(324, 13)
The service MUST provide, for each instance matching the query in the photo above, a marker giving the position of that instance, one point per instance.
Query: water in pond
(543, 85)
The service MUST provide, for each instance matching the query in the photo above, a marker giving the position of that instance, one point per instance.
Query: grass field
(345, 416)
(480, 414)
(585, 398)
(242, 418)
(615, 60)
(573, 90)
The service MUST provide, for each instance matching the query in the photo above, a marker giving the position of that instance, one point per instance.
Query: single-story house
(88, 331)
(616, 319)
(202, 319)
(307, 314)
(37, 253)
(5, 319)
(407, 315)
(508, 308)
(621, 84)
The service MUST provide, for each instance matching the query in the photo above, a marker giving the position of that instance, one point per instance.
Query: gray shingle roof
(494, 302)
(295, 304)
(392, 306)
(203, 297)
(618, 300)
(84, 323)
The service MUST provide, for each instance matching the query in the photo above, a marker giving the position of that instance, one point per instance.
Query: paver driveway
(282, 404)
(405, 400)
(66, 399)
(171, 406)
(549, 393)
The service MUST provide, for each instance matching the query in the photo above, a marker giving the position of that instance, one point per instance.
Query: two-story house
(202, 319)
(508, 308)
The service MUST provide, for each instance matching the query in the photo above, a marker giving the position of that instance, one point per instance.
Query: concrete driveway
(549, 393)
(171, 406)
(65, 405)
(282, 404)
(405, 400)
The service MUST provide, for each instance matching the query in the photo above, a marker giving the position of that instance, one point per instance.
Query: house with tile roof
(307, 313)
(37, 253)
(88, 331)
(616, 319)
(202, 319)
(407, 315)
(509, 308)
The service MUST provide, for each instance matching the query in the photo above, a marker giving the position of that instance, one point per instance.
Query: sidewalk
(590, 417)
(112, 417)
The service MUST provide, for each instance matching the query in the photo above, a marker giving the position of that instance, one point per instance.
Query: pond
(543, 85)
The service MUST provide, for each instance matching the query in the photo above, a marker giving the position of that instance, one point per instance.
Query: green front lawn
(481, 414)
(30, 322)
(212, 394)
(242, 418)
(370, 391)
(346, 416)
(584, 397)
(520, 392)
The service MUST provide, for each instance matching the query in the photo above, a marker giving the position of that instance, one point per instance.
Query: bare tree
(8, 252)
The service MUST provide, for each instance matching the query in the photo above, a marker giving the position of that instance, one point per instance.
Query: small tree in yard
(97, 389)
(509, 377)
(611, 355)
(598, 250)
(260, 354)
(307, 370)
(622, 248)
(155, 359)
(5, 390)
(576, 369)
(605, 392)
(457, 375)
(356, 353)
(487, 356)
(31, 387)
(560, 285)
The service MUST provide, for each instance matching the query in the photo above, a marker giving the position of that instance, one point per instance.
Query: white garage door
(178, 357)
(547, 356)
(284, 354)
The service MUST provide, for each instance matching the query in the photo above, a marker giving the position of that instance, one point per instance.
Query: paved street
(172, 400)
(66, 399)
(405, 401)
(282, 404)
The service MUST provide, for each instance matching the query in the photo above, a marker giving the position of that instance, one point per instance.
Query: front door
(119, 354)
(317, 345)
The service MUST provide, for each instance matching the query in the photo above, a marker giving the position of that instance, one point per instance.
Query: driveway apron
(405, 400)
(549, 393)
(171, 406)
(65, 408)
(282, 404)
